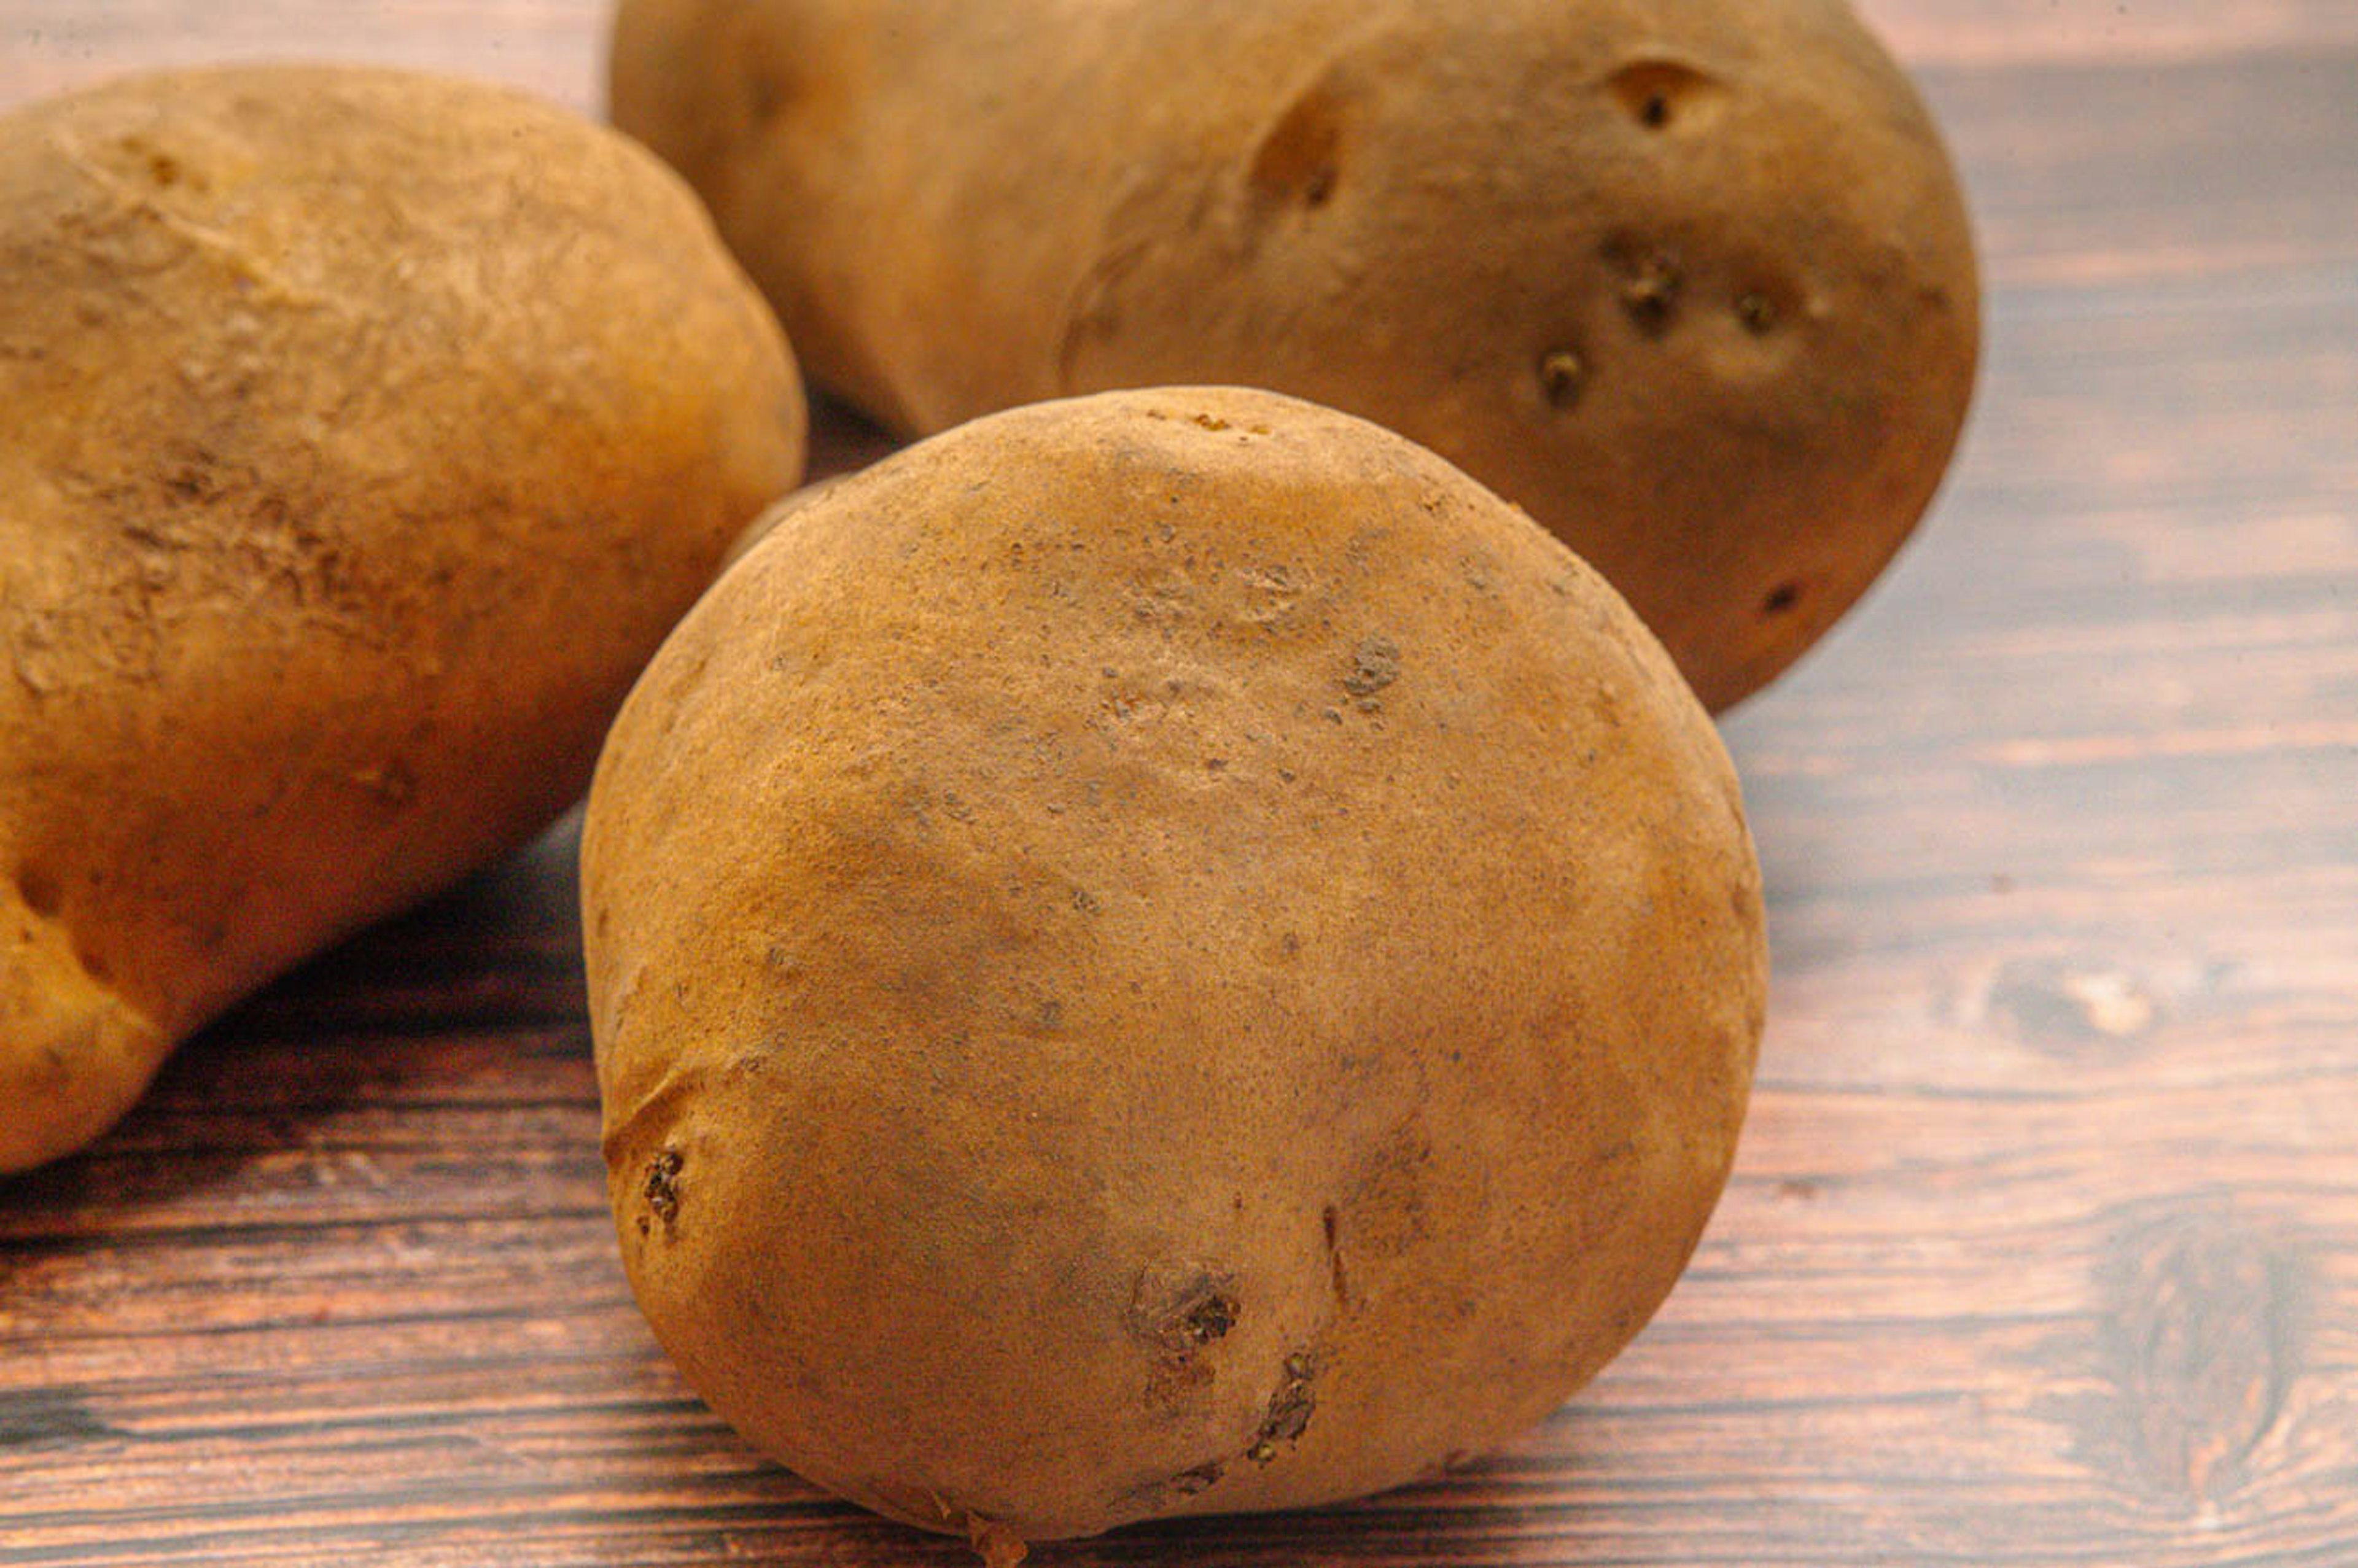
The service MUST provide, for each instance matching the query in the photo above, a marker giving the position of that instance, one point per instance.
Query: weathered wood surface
(2043, 1248)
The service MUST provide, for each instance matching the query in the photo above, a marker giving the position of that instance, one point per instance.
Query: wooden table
(2043, 1246)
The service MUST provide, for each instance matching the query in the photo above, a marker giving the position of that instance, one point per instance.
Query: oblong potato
(362, 434)
(1167, 953)
(1692, 284)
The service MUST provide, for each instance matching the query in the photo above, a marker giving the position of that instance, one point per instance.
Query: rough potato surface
(1692, 284)
(1162, 953)
(360, 436)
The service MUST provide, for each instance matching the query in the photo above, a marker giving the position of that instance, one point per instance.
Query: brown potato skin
(1143, 918)
(1692, 284)
(363, 435)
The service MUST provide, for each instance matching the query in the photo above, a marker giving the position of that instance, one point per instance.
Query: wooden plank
(555, 48)
(2110, 32)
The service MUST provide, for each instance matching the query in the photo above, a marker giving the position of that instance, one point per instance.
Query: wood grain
(2043, 1246)
(2118, 33)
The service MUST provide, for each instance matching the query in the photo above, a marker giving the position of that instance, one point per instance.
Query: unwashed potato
(360, 436)
(1167, 953)
(1691, 283)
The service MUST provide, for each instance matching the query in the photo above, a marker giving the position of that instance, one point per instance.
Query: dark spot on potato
(1330, 1221)
(1758, 312)
(93, 963)
(1564, 376)
(1662, 93)
(39, 891)
(766, 95)
(1290, 1410)
(1299, 161)
(1192, 1482)
(1179, 1323)
(1199, 1480)
(1650, 292)
(662, 1188)
(161, 168)
(1374, 666)
(1781, 598)
(1210, 1319)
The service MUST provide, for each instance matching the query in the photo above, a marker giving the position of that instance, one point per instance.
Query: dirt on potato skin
(365, 433)
(1195, 962)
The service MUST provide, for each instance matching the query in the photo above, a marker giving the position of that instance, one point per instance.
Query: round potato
(1692, 284)
(360, 436)
(1162, 953)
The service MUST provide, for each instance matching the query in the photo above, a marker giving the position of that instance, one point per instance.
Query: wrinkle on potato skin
(367, 432)
(1003, 1037)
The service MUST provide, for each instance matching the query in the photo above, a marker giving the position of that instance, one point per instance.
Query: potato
(1165, 953)
(360, 436)
(1693, 283)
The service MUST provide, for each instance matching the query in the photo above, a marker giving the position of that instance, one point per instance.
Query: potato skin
(1164, 952)
(1692, 284)
(362, 434)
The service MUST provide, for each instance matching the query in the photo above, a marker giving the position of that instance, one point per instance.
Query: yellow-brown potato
(1692, 284)
(360, 436)
(1164, 952)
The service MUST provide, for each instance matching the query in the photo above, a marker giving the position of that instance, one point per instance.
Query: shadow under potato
(475, 996)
